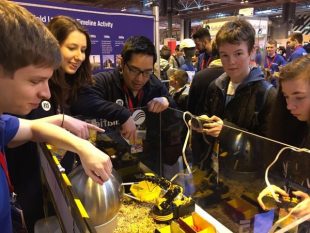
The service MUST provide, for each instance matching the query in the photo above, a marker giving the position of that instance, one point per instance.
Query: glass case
(223, 176)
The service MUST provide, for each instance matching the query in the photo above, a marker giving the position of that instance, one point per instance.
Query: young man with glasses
(116, 94)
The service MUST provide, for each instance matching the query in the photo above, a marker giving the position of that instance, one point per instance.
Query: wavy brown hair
(65, 87)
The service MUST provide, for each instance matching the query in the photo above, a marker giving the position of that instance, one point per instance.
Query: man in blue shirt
(273, 61)
(24, 74)
(203, 43)
(295, 43)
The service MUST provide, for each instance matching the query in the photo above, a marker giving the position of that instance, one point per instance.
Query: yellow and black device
(170, 203)
(198, 121)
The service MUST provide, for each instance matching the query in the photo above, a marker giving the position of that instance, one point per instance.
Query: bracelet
(63, 120)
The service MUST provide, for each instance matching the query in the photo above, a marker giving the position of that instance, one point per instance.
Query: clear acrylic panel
(224, 176)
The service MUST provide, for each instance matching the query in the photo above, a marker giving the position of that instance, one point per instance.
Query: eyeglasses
(136, 72)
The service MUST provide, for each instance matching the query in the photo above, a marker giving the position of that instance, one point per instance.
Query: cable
(189, 132)
(269, 186)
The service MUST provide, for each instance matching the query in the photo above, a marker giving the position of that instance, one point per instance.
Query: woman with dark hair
(289, 124)
(74, 73)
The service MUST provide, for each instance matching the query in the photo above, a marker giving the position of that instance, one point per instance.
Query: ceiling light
(206, 8)
(242, 2)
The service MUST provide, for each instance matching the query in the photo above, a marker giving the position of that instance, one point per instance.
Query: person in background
(197, 98)
(176, 60)
(23, 85)
(294, 42)
(201, 81)
(240, 97)
(74, 73)
(188, 48)
(202, 40)
(164, 65)
(273, 61)
(290, 124)
(117, 94)
(282, 51)
(179, 88)
(258, 56)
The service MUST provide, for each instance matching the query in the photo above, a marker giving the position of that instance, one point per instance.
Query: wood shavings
(134, 217)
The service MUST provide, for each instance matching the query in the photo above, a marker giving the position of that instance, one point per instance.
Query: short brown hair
(235, 32)
(24, 40)
(180, 76)
(272, 41)
(297, 36)
(295, 68)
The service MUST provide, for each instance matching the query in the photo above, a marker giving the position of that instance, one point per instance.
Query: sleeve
(265, 113)
(93, 102)
(161, 91)
(10, 128)
(193, 95)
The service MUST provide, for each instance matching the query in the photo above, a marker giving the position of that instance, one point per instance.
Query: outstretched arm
(97, 164)
(73, 125)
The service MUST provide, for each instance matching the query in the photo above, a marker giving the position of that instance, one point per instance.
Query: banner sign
(108, 29)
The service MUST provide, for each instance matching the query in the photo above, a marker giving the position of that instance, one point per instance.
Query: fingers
(154, 106)
(95, 178)
(100, 174)
(157, 105)
(301, 194)
(94, 127)
(212, 129)
(130, 135)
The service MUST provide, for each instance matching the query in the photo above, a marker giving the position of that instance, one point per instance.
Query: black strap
(176, 59)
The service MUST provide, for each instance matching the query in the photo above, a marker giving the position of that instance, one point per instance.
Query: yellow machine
(168, 198)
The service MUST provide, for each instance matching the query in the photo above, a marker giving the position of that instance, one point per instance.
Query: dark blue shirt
(8, 128)
(298, 52)
(273, 63)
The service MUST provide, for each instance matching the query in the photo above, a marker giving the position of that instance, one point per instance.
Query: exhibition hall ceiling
(197, 10)
(193, 9)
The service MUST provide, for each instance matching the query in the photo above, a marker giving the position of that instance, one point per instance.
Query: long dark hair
(65, 87)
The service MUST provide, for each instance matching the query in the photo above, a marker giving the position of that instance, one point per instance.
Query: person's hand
(158, 104)
(128, 130)
(97, 165)
(303, 207)
(213, 126)
(266, 191)
(79, 128)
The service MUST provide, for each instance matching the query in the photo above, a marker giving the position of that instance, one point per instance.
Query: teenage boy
(24, 74)
(273, 61)
(240, 97)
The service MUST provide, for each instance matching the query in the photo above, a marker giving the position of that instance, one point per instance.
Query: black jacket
(199, 87)
(248, 110)
(99, 100)
(250, 107)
